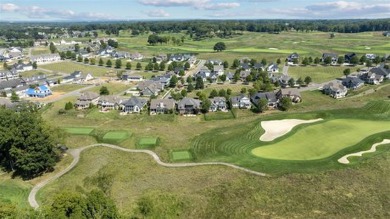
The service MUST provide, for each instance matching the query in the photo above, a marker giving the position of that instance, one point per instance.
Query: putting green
(181, 155)
(322, 140)
(115, 135)
(79, 130)
(148, 141)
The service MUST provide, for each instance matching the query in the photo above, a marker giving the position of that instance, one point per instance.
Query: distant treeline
(197, 28)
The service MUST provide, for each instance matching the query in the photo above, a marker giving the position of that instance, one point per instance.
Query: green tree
(26, 142)
(128, 65)
(92, 61)
(340, 60)
(285, 103)
(291, 82)
(156, 67)
(316, 60)
(53, 48)
(368, 63)
(35, 65)
(220, 46)
(262, 105)
(226, 64)
(190, 88)
(222, 93)
(118, 63)
(206, 103)
(213, 93)
(139, 66)
(68, 106)
(109, 63)
(76, 48)
(278, 61)
(86, 60)
(229, 91)
(222, 78)
(101, 62)
(243, 90)
(79, 58)
(264, 62)
(305, 61)
(173, 81)
(104, 91)
(199, 83)
(300, 81)
(307, 80)
(68, 205)
(328, 60)
(183, 93)
(377, 60)
(363, 59)
(14, 97)
(347, 71)
(354, 60)
(162, 66)
(187, 66)
(236, 63)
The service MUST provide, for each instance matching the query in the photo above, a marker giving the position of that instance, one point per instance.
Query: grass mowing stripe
(79, 130)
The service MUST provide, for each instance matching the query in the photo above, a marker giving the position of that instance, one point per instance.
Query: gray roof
(10, 83)
(380, 71)
(237, 99)
(334, 87)
(290, 92)
(110, 99)
(134, 101)
(6, 102)
(218, 67)
(269, 96)
(162, 104)
(188, 102)
(88, 96)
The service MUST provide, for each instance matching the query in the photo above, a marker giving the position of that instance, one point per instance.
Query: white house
(47, 58)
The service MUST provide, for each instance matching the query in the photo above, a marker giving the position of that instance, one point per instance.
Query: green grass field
(116, 135)
(67, 87)
(70, 67)
(321, 140)
(79, 130)
(181, 155)
(318, 74)
(13, 191)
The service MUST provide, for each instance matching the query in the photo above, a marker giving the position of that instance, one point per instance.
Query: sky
(97, 10)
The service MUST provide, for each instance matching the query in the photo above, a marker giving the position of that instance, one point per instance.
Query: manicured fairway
(322, 140)
(181, 155)
(319, 73)
(116, 135)
(149, 141)
(79, 131)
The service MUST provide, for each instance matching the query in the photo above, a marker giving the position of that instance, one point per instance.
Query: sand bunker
(276, 128)
(344, 160)
(273, 48)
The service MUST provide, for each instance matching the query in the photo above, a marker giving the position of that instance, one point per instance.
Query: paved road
(69, 94)
(285, 69)
(76, 157)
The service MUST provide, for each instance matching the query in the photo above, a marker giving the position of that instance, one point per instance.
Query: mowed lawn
(79, 130)
(70, 67)
(322, 140)
(318, 74)
(181, 155)
(150, 141)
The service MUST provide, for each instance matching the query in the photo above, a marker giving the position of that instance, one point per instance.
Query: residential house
(229, 76)
(22, 67)
(349, 56)
(292, 93)
(161, 57)
(381, 71)
(283, 80)
(132, 77)
(370, 56)
(161, 106)
(38, 91)
(35, 79)
(109, 102)
(293, 57)
(189, 106)
(120, 55)
(272, 100)
(259, 66)
(386, 34)
(352, 82)
(218, 104)
(245, 66)
(218, 69)
(244, 75)
(136, 56)
(372, 78)
(163, 79)
(215, 61)
(47, 58)
(150, 88)
(8, 75)
(76, 77)
(133, 105)
(86, 99)
(242, 102)
(179, 57)
(335, 90)
(192, 60)
(273, 68)
(178, 69)
(15, 53)
(10, 84)
(332, 56)
(204, 73)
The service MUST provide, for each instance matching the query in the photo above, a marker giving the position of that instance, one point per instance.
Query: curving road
(76, 157)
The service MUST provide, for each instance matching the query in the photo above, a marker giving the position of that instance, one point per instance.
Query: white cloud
(197, 4)
(9, 7)
(337, 9)
(158, 13)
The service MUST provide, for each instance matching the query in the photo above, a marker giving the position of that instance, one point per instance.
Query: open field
(40, 50)
(322, 140)
(70, 67)
(34, 73)
(66, 87)
(148, 141)
(318, 74)
(181, 155)
(79, 130)
(13, 191)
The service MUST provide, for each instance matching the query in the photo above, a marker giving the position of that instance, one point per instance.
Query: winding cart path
(76, 157)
